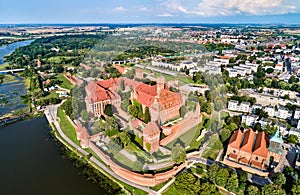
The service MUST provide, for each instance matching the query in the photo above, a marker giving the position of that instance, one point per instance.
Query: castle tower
(160, 83)
(139, 74)
(151, 134)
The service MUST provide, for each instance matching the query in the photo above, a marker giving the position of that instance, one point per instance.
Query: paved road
(51, 114)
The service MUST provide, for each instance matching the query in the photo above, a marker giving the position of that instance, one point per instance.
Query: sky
(149, 11)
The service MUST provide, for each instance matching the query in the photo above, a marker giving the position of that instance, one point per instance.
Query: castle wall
(137, 178)
(185, 125)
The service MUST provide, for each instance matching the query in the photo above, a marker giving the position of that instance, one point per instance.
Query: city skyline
(157, 11)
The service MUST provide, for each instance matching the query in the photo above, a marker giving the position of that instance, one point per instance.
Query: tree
(125, 138)
(221, 177)
(257, 127)
(212, 172)
(186, 183)
(208, 189)
(232, 183)
(207, 107)
(68, 108)
(178, 154)
(224, 134)
(111, 126)
(207, 95)
(252, 190)
(261, 113)
(182, 111)
(97, 127)
(147, 117)
(108, 110)
(296, 189)
(279, 179)
(293, 139)
(272, 189)
(84, 115)
(122, 85)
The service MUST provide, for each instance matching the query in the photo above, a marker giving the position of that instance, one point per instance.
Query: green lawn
(213, 147)
(185, 138)
(65, 82)
(66, 126)
(171, 190)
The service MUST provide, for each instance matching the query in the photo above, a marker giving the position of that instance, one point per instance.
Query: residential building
(270, 111)
(244, 107)
(297, 114)
(233, 105)
(249, 120)
(298, 126)
(283, 113)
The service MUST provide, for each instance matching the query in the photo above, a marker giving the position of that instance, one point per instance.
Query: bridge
(12, 70)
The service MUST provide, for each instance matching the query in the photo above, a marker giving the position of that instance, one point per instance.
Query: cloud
(165, 15)
(144, 9)
(120, 8)
(232, 7)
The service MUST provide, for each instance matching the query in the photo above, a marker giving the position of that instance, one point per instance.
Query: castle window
(256, 158)
(234, 151)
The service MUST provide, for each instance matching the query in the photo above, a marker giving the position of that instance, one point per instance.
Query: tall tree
(178, 154)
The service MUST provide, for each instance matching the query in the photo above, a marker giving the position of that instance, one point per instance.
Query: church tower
(160, 83)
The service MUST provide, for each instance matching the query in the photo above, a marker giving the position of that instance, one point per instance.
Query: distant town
(174, 109)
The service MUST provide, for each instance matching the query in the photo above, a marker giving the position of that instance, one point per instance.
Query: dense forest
(67, 48)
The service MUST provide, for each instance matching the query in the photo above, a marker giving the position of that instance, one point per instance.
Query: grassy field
(185, 138)
(124, 160)
(3, 66)
(213, 147)
(66, 126)
(65, 82)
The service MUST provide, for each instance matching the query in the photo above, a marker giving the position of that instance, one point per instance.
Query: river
(31, 162)
(12, 91)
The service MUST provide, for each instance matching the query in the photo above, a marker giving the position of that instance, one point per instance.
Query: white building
(270, 111)
(264, 122)
(233, 105)
(298, 126)
(249, 120)
(221, 61)
(283, 113)
(246, 69)
(297, 113)
(245, 107)
(232, 72)
(175, 67)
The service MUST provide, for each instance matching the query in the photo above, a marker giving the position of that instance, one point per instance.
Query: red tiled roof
(96, 93)
(121, 69)
(260, 147)
(248, 140)
(82, 130)
(106, 84)
(168, 99)
(235, 140)
(146, 94)
(151, 129)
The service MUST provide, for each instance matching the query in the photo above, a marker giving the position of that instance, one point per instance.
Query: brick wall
(137, 178)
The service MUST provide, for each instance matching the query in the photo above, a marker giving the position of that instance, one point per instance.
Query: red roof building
(250, 149)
